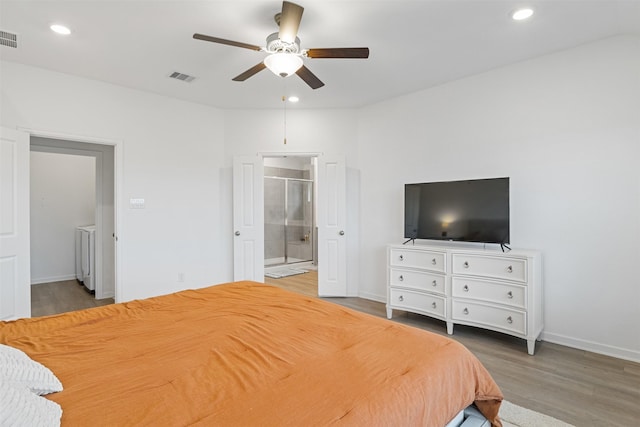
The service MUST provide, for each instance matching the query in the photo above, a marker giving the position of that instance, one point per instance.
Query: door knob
(237, 233)
(341, 232)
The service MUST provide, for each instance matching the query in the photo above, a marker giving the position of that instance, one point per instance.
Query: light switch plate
(136, 203)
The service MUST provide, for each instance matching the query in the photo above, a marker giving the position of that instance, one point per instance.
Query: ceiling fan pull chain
(284, 99)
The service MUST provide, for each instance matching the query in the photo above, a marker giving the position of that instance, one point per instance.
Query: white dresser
(486, 288)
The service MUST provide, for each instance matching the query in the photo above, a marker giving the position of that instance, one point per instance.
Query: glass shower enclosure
(288, 220)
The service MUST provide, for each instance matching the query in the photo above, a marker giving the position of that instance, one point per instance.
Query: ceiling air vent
(8, 39)
(184, 77)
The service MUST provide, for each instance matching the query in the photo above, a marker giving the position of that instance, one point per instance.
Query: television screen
(470, 211)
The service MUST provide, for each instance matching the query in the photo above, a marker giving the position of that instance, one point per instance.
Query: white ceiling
(414, 45)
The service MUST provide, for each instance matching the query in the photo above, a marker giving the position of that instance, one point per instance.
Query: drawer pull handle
(400, 298)
(435, 283)
(509, 320)
(433, 261)
(510, 295)
(465, 288)
(510, 269)
(465, 311)
(401, 257)
(466, 264)
(434, 305)
(401, 278)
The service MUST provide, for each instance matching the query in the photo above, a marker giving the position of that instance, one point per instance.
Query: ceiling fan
(283, 47)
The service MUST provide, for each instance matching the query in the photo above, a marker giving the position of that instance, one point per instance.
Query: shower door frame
(286, 218)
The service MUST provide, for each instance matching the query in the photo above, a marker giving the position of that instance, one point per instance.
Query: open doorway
(72, 188)
(290, 229)
(248, 220)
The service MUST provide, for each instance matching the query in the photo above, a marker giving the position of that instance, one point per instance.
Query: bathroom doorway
(289, 211)
(329, 242)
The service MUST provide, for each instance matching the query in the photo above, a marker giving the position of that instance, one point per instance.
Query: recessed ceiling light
(522, 14)
(60, 29)
(294, 99)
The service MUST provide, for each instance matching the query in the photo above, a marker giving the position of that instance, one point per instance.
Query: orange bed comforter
(249, 354)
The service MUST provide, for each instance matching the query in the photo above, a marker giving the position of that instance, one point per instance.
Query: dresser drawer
(417, 302)
(493, 317)
(501, 293)
(428, 260)
(420, 280)
(490, 266)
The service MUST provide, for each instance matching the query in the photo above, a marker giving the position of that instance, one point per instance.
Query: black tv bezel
(447, 239)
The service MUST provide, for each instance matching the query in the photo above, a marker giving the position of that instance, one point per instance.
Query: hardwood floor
(60, 297)
(575, 386)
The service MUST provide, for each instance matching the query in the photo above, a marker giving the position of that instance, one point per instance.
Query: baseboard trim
(593, 347)
(107, 295)
(372, 297)
(53, 279)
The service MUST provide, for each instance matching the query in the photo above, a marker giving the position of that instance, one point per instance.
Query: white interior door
(248, 219)
(332, 243)
(15, 282)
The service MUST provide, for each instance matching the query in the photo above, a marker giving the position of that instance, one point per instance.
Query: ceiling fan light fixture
(283, 64)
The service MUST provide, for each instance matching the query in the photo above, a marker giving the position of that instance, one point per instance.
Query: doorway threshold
(284, 272)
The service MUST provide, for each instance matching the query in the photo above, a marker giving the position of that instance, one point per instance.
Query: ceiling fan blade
(290, 21)
(339, 52)
(227, 42)
(309, 78)
(250, 72)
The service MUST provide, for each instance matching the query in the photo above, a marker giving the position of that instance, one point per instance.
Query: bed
(250, 354)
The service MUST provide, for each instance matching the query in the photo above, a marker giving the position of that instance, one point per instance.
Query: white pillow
(20, 407)
(18, 368)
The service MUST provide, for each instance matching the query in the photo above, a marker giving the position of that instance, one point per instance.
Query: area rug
(286, 272)
(517, 416)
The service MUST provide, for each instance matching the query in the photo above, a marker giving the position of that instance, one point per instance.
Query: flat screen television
(467, 211)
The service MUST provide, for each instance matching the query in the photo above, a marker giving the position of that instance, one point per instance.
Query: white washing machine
(85, 256)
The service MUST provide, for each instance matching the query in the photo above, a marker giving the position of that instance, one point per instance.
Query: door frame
(118, 148)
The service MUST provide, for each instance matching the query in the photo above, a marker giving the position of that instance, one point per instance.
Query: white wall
(248, 132)
(566, 129)
(173, 152)
(63, 197)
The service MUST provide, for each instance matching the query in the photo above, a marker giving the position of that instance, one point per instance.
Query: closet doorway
(290, 231)
(58, 207)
